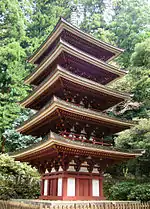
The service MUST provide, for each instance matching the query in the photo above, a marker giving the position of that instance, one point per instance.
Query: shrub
(130, 190)
(107, 184)
(17, 180)
(121, 190)
(140, 192)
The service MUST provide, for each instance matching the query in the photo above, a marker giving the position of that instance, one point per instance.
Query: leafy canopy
(130, 25)
(18, 180)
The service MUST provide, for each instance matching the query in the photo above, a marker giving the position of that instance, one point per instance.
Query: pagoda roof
(64, 25)
(59, 108)
(61, 73)
(62, 46)
(54, 143)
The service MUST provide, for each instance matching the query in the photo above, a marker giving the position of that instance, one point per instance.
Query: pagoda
(70, 95)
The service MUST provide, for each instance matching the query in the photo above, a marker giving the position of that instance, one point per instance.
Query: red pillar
(90, 187)
(48, 188)
(55, 184)
(64, 188)
(77, 187)
(101, 188)
(42, 186)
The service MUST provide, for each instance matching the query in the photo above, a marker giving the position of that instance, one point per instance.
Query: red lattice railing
(83, 138)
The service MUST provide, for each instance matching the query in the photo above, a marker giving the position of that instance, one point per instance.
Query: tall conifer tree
(12, 57)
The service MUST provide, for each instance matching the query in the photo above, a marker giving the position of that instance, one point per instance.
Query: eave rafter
(56, 144)
(70, 109)
(62, 46)
(60, 73)
(61, 25)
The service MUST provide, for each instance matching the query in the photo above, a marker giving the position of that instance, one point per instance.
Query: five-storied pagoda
(70, 95)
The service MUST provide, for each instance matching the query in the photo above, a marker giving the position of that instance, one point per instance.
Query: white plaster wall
(45, 187)
(70, 187)
(95, 187)
(59, 192)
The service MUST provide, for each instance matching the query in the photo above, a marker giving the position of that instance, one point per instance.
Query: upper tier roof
(43, 120)
(110, 71)
(77, 37)
(61, 78)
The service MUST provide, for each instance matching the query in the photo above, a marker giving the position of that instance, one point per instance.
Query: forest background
(24, 25)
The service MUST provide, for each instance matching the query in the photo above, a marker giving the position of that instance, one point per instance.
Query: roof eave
(58, 103)
(59, 26)
(54, 139)
(63, 46)
(60, 72)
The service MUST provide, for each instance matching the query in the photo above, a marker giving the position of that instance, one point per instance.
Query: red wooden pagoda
(70, 95)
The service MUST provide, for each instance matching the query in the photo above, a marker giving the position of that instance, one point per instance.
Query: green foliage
(24, 25)
(141, 55)
(109, 181)
(141, 84)
(12, 22)
(13, 139)
(45, 15)
(137, 82)
(17, 180)
(128, 190)
(121, 190)
(139, 72)
(137, 138)
(92, 15)
(12, 59)
(92, 19)
(140, 192)
(130, 25)
(16, 141)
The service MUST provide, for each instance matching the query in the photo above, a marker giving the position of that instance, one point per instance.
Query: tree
(18, 180)
(141, 54)
(130, 25)
(128, 190)
(13, 139)
(137, 138)
(12, 61)
(140, 68)
(132, 179)
(12, 88)
(44, 17)
(92, 15)
(12, 27)
(137, 82)
(91, 18)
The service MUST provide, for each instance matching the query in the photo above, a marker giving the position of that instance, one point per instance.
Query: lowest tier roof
(61, 76)
(54, 144)
(77, 37)
(44, 119)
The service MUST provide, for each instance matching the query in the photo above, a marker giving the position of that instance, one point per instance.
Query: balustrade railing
(74, 205)
(83, 138)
